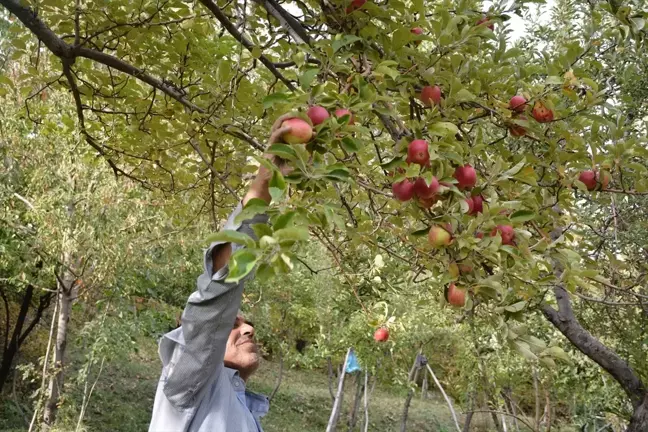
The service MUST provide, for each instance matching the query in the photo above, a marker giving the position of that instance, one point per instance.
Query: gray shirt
(196, 392)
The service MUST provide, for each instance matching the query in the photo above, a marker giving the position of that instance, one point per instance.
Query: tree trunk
(12, 349)
(337, 405)
(353, 415)
(281, 366)
(408, 400)
(57, 380)
(639, 419)
(536, 391)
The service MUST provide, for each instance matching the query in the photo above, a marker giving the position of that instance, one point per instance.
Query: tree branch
(286, 20)
(565, 321)
(231, 28)
(63, 50)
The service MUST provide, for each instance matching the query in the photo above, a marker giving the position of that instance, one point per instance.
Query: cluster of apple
(301, 131)
(540, 112)
(441, 236)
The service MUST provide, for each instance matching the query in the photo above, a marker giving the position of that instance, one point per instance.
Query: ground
(123, 398)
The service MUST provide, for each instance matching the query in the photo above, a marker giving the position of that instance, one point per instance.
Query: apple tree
(483, 165)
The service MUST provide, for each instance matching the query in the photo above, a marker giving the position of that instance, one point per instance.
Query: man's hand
(259, 186)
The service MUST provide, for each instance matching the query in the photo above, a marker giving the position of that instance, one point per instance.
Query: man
(207, 361)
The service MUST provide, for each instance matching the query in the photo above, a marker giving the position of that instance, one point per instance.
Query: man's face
(241, 352)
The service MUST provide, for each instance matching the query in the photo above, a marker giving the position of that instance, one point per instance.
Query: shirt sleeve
(193, 353)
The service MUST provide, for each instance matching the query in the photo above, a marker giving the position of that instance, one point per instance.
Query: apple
(453, 270)
(517, 103)
(589, 179)
(465, 268)
(431, 95)
(517, 130)
(478, 205)
(300, 131)
(403, 190)
(479, 235)
(317, 114)
(456, 296)
(341, 112)
(429, 202)
(417, 152)
(604, 179)
(355, 4)
(425, 191)
(506, 232)
(439, 236)
(541, 113)
(485, 19)
(466, 177)
(417, 30)
(381, 335)
(471, 205)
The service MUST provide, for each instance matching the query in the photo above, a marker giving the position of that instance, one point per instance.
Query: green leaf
(307, 78)
(261, 229)
(242, 263)
(523, 216)
(252, 208)
(274, 98)
(284, 220)
(231, 236)
(284, 151)
(443, 129)
(345, 40)
(393, 73)
(350, 145)
(464, 95)
(277, 180)
(516, 307)
(291, 234)
(554, 80)
(338, 174)
(557, 352)
(516, 169)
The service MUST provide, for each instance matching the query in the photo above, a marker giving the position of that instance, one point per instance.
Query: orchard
(448, 182)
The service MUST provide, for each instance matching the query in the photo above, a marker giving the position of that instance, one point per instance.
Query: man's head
(241, 352)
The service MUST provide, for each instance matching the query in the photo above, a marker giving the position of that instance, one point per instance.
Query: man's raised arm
(192, 355)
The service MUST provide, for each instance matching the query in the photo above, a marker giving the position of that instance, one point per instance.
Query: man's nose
(247, 330)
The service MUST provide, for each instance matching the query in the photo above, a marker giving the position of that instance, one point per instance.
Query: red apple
(517, 103)
(604, 179)
(506, 232)
(485, 19)
(471, 205)
(456, 296)
(300, 131)
(381, 335)
(465, 268)
(429, 202)
(355, 4)
(417, 30)
(541, 113)
(425, 191)
(589, 179)
(478, 205)
(317, 114)
(517, 130)
(431, 95)
(403, 190)
(417, 152)
(341, 112)
(479, 235)
(466, 177)
(439, 236)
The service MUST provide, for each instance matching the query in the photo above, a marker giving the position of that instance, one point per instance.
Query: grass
(123, 399)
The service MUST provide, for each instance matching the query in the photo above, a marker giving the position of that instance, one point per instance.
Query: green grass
(123, 399)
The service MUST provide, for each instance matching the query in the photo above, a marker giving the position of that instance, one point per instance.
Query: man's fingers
(277, 123)
(276, 135)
